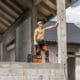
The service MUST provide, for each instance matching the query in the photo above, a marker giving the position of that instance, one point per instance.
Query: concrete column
(23, 40)
(33, 23)
(1, 51)
(62, 43)
(24, 36)
(4, 52)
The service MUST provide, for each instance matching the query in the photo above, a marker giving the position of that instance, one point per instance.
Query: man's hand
(57, 24)
(35, 43)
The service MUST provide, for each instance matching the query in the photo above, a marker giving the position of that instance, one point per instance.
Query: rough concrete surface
(25, 71)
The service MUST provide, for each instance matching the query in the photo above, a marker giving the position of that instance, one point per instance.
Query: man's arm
(35, 36)
(50, 27)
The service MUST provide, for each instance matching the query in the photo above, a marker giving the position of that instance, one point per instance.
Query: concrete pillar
(4, 52)
(24, 37)
(23, 40)
(62, 43)
(1, 51)
(33, 23)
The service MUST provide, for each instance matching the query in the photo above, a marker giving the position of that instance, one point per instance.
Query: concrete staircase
(25, 71)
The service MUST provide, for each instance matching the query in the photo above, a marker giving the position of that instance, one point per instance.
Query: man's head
(40, 24)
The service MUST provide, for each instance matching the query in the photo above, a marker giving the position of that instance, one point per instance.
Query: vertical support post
(33, 24)
(1, 51)
(24, 38)
(62, 42)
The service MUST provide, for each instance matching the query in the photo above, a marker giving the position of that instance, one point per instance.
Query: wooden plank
(6, 15)
(12, 6)
(2, 29)
(4, 23)
(68, 1)
(5, 19)
(53, 1)
(8, 9)
(36, 2)
(50, 4)
(61, 32)
(6, 12)
(48, 8)
(17, 3)
(40, 14)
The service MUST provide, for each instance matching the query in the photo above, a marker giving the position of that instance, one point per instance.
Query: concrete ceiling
(10, 10)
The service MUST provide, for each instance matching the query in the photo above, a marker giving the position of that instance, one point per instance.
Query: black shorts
(41, 43)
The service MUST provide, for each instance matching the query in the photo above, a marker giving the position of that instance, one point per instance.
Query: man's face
(40, 25)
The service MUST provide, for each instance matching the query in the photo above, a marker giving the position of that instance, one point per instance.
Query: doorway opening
(71, 66)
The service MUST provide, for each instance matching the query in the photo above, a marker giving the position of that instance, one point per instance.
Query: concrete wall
(73, 64)
(1, 47)
(77, 66)
(53, 51)
(0, 38)
(1, 51)
(24, 71)
(8, 37)
(23, 40)
(19, 31)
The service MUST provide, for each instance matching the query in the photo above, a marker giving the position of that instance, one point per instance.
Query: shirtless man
(39, 41)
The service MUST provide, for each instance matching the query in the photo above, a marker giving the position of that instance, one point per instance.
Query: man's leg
(45, 49)
(38, 51)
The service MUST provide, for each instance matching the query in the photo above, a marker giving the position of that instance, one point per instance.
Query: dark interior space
(71, 66)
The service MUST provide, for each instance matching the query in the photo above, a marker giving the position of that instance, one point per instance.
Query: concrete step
(30, 71)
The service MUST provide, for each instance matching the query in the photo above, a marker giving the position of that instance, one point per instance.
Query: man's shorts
(41, 43)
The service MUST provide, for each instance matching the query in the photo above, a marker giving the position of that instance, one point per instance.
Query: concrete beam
(62, 39)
